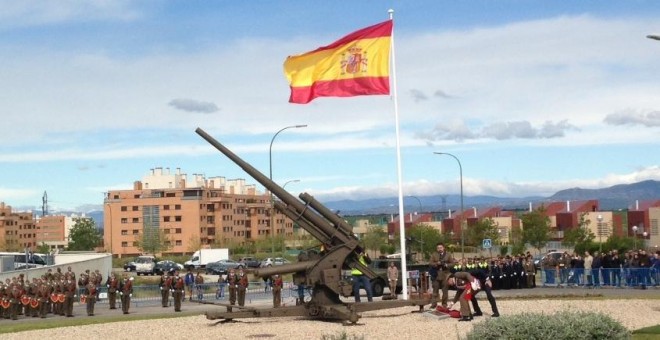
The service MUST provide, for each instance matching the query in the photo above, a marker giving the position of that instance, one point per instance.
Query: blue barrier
(601, 277)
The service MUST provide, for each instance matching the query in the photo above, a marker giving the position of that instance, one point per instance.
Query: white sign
(487, 243)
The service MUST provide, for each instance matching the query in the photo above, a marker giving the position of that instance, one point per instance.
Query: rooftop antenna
(44, 205)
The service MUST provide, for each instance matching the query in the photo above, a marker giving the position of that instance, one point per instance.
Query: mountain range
(616, 197)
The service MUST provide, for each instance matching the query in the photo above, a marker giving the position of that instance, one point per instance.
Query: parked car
(129, 266)
(221, 267)
(537, 260)
(274, 262)
(165, 266)
(144, 264)
(249, 262)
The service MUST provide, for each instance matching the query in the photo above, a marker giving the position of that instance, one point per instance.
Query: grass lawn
(648, 333)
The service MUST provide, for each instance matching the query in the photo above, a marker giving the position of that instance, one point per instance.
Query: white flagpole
(402, 231)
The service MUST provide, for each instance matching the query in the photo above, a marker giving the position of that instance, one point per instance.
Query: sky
(531, 96)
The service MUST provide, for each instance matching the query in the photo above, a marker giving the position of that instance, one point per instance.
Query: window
(166, 231)
(136, 208)
(124, 232)
(177, 231)
(135, 243)
(124, 208)
(178, 242)
(124, 220)
(177, 207)
(124, 244)
(166, 207)
(136, 220)
(177, 218)
(166, 219)
(136, 232)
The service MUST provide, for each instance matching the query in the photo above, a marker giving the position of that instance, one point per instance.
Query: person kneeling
(466, 286)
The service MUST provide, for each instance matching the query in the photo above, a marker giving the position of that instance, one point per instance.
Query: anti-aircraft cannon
(323, 274)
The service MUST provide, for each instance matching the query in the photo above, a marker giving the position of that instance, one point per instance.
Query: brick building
(17, 229)
(190, 213)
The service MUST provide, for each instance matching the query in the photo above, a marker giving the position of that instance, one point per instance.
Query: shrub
(562, 325)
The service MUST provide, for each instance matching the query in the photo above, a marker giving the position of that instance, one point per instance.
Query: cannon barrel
(283, 269)
(312, 216)
(327, 213)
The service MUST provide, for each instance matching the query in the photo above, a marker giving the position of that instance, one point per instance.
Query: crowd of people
(634, 268)
(55, 292)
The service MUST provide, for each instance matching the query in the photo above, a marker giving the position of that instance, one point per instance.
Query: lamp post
(460, 169)
(270, 166)
(421, 240)
(600, 233)
(644, 235)
(634, 229)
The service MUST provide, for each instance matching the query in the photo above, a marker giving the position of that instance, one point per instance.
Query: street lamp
(634, 229)
(291, 181)
(421, 240)
(270, 166)
(460, 169)
(644, 235)
(600, 233)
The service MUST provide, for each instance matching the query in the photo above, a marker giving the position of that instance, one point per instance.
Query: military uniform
(43, 294)
(242, 288)
(277, 291)
(232, 282)
(69, 295)
(126, 292)
(90, 292)
(113, 287)
(439, 271)
(165, 285)
(178, 290)
(465, 294)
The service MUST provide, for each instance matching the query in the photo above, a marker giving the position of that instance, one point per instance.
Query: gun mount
(323, 274)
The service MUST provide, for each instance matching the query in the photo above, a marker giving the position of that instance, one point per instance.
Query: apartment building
(53, 230)
(189, 213)
(17, 229)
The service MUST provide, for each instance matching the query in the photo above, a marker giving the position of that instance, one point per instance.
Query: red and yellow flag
(355, 65)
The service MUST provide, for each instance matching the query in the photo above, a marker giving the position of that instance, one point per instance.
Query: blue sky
(531, 96)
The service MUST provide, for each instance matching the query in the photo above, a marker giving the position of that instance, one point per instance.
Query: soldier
(113, 287)
(440, 261)
(165, 285)
(467, 286)
(69, 295)
(43, 295)
(392, 278)
(90, 292)
(277, 290)
(71, 273)
(232, 282)
(178, 291)
(199, 286)
(15, 298)
(126, 292)
(3, 298)
(242, 287)
(530, 272)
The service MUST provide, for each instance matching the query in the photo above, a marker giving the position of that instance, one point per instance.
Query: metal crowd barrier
(601, 277)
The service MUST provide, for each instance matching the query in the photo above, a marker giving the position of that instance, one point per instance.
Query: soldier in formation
(232, 286)
(90, 291)
(165, 286)
(178, 290)
(113, 287)
(277, 290)
(242, 287)
(125, 293)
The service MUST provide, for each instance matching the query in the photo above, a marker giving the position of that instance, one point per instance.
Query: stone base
(436, 315)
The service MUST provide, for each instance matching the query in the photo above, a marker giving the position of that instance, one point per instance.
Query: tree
(43, 248)
(153, 240)
(483, 229)
(373, 238)
(536, 228)
(579, 238)
(84, 235)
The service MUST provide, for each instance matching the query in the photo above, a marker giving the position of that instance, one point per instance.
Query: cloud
(418, 95)
(633, 117)
(27, 13)
(442, 94)
(192, 105)
(500, 131)
(9, 194)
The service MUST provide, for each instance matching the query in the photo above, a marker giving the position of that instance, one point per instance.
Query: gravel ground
(634, 314)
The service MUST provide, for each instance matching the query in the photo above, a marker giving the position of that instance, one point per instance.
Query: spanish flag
(355, 65)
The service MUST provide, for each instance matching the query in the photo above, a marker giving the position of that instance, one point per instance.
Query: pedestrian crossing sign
(487, 244)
